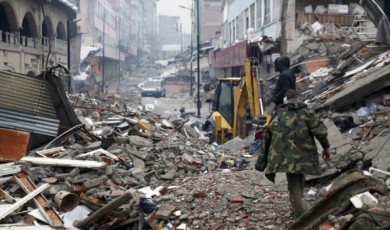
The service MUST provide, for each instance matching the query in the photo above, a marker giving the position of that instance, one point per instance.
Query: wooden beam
(7, 196)
(63, 162)
(49, 152)
(50, 214)
(103, 211)
(21, 202)
(101, 151)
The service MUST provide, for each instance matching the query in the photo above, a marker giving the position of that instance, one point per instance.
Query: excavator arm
(246, 94)
(237, 99)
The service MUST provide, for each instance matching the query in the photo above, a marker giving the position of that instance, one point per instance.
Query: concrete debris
(120, 146)
(364, 200)
(127, 165)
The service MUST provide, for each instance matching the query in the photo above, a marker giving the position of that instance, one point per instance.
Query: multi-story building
(210, 19)
(270, 26)
(170, 36)
(33, 34)
(151, 28)
(242, 21)
(100, 26)
(127, 27)
(137, 32)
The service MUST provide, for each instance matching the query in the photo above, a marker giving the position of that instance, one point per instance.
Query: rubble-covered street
(175, 176)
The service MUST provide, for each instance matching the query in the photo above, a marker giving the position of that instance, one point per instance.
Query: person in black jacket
(285, 82)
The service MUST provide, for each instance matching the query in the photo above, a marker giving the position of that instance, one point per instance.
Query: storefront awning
(229, 57)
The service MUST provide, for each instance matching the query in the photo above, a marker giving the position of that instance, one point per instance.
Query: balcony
(12, 42)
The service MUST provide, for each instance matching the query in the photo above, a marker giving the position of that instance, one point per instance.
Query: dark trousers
(296, 184)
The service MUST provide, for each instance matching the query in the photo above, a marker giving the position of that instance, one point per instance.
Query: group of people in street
(289, 143)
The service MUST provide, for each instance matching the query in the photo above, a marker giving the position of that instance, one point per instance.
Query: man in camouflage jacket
(290, 147)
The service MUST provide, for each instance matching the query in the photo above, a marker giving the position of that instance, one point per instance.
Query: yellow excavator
(237, 104)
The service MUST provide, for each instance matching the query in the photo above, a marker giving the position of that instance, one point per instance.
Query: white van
(153, 88)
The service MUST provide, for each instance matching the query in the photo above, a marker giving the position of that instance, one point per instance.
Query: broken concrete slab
(165, 211)
(93, 146)
(358, 89)
(234, 145)
(378, 150)
(169, 175)
(139, 141)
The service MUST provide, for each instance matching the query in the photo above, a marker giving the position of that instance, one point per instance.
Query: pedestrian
(289, 147)
(285, 82)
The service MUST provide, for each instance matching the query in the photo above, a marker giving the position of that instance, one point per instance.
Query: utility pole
(119, 48)
(104, 34)
(68, 40)
(198, 57)
(192, 47)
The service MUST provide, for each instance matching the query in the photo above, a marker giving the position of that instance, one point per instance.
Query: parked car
(154, 88)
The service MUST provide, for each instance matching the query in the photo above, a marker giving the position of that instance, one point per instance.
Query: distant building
(170, 36)
(210, 19)
(266, 29)
(151, 29)
(33, 36)
(99, 26)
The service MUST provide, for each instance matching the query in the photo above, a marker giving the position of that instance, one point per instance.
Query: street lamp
(192, 25)
(68, 23)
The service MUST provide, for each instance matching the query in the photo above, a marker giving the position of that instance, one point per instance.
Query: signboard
(229, 57)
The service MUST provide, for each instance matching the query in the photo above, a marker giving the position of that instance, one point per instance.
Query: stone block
(187, 158)
(93, 146)
(139, 141)
(236, 199)
(165, 211)
(91, 183)
(386, 99)
(364, 200)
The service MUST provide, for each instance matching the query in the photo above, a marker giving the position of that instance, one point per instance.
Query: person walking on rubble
(289, 147)
(285, 82)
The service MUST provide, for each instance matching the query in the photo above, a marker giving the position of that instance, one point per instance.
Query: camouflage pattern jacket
(289, 140)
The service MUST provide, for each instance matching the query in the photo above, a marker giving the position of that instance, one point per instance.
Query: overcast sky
(171, 7)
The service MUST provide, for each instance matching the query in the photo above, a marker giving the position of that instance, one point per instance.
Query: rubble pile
(338, 47)
(224, 200)
(119, 147)
(322, 40)
(339, 79)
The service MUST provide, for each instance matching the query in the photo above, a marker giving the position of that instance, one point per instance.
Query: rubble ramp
(337, 202)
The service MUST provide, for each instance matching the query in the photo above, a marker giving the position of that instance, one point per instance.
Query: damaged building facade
(109, 161)
(257, 28)
(33, 34)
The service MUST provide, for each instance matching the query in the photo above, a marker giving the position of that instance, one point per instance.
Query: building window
(252, 16)
(238, 28)
(267, 11)
(259, 14)
(277, 10)
(246, 20)
(233, 34)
